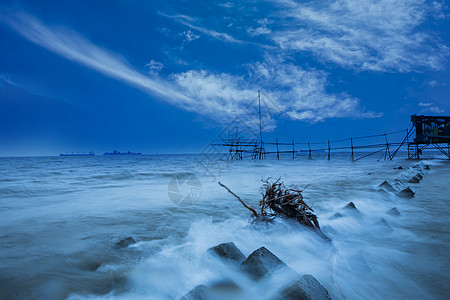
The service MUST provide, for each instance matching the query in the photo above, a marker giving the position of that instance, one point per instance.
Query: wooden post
(309, 147)
(388, 152)
(293, 149)
(278, 152)
(351, 142)
(329, 150)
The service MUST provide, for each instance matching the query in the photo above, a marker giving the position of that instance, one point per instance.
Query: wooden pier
(423, 132)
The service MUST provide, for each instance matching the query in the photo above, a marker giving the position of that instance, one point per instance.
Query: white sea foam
(66, 225)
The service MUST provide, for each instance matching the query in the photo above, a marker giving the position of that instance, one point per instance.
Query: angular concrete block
(228, 252)
(262, 262)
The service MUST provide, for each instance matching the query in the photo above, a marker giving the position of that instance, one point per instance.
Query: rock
(394, 212)
(200, 292)
(125, 243)
(336, 216)
(228, 252)
(387, 186)
(400, 168)
(406, 193)
(427, 167)
(418, 175)
(414, 179)
(384, 224)
(262, 262)
(351, 206)
(306, 288)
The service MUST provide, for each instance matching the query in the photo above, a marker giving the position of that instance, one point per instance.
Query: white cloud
(299, 93)
(428, 107)
(189, 36)
(383, 35)
(4, 78)
(258, 30)
(154, 66)
(191, 23)
(303, 95)
(76, 48)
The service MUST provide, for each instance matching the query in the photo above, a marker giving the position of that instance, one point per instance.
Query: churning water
(60, 219)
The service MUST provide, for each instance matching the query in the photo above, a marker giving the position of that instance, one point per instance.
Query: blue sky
(168, 76)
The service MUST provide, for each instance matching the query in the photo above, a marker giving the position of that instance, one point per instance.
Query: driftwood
(280, 201)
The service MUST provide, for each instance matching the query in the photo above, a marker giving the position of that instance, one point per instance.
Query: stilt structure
(430, 131)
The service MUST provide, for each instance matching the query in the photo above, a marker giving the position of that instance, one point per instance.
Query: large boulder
(306, 288)
(406, 193)
(261, 263)
(228, 252)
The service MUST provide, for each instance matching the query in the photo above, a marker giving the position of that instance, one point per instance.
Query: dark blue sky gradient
(50, 103)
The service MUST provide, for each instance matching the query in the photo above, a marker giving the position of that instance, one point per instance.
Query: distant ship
(115, 152)
(77, 154)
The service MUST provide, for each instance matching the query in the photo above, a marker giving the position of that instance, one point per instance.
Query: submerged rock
(200, 292)
(414, 179)
(384, 224)
(262, 262)
(394, 212)
(125, 243)
(336, 216)
(351, 205)
(387, 186)
(306, 288)
(406, 193)
(228, 252)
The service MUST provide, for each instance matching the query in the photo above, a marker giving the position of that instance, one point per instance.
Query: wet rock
(394, 212)
(306, 288)
(400, 168)
(336, 216)
(351, 207)
(262, 262)
(93, 266)
(418, 175)
(406, 193)
(414, 179)
(228, 252)
(200, 292)
(384, 224)
(386, 185)
(125, 243)
(427, 167)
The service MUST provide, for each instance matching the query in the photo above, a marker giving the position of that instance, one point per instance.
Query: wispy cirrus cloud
(429, 107)
(383, 36)
(74, 47)
(301, 94)
(193, 24)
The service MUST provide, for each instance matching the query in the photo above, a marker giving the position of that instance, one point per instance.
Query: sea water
(61, 217)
